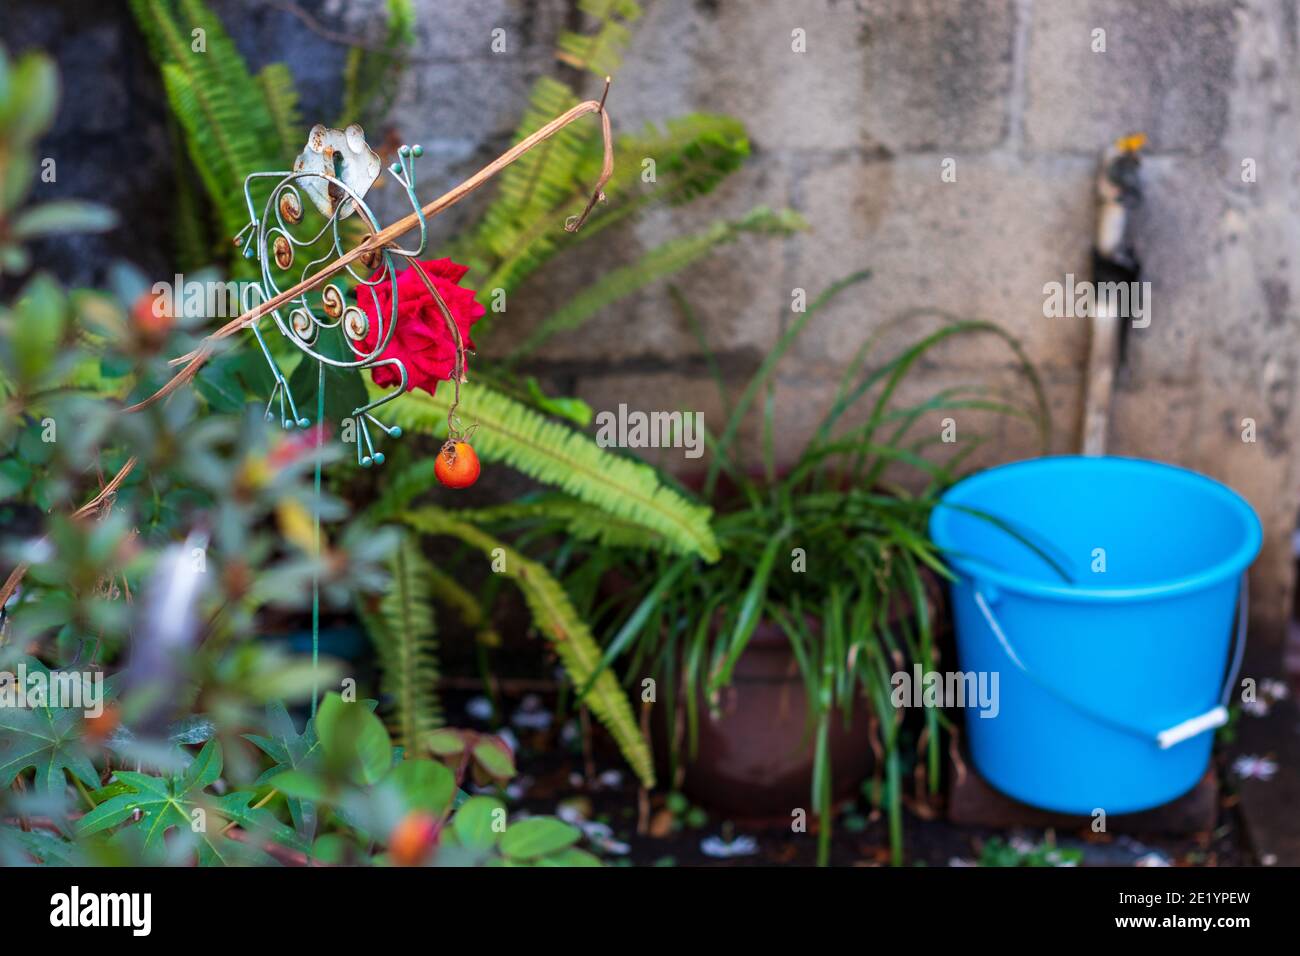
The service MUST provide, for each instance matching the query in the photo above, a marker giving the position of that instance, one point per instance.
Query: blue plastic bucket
(1109, 636)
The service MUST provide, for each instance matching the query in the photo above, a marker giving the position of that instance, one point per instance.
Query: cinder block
(938, 73)
(743, 64)
(979, 248)
(1167, 70)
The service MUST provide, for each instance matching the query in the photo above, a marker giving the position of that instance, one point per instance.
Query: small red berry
(457, 465)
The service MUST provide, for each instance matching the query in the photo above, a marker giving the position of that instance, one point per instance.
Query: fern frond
(601, 51)
(692, 154)
(556, 455)
(282, 103)
(660, 262)
(556, 618)
(233, 123)
(535, 184)
(401, 626)
(575, 519)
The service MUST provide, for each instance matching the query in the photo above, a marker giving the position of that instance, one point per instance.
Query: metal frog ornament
(334, 171)
(303, 291)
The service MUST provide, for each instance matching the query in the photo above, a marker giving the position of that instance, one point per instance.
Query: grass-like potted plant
(777, 659)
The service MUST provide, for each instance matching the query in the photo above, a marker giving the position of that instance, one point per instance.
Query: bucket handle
(1216, 716)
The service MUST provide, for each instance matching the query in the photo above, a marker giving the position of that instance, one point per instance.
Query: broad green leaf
(495, 759)
(475, 823)
(536, 837)
(424, 785)
(354, 739)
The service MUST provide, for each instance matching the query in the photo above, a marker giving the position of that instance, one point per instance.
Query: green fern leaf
(556, 618)
(660, 262)
(400, 624)
(282, 102)
(692, 155)
(599, 52)
(555, 454)
(574, 518)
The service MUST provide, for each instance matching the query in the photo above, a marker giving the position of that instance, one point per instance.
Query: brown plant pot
(756, 759)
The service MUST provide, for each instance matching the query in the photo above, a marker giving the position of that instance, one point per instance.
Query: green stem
(315, 574)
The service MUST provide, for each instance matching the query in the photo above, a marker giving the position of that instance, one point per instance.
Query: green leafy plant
(998, 852)
(176, 532)
(862, 493)
(234, 123)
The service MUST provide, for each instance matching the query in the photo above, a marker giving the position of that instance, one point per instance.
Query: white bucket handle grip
(1216, 716)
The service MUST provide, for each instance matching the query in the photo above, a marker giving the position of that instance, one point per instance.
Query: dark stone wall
(110, 140)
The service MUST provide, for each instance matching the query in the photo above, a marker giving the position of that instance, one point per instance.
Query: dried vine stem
(458, 367)
(89, 509)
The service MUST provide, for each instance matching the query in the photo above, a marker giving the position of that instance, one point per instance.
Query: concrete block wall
(853, 134)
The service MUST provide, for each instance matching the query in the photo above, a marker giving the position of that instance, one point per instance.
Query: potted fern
(777, 658)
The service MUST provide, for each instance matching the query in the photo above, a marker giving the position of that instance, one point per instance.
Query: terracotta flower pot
(756, 759)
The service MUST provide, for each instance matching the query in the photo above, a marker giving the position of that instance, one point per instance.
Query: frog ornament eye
(345, 156)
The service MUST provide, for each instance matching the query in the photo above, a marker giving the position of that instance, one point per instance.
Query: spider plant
(832, 547)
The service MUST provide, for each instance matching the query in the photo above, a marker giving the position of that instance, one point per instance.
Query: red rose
(421, 340)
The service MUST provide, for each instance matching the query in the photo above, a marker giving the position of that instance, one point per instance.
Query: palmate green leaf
(47, 740)
(659, 263)
(18, 846)
(555, 454)
(555, 617)
(401, 626)
(167, 803)
(291, 751)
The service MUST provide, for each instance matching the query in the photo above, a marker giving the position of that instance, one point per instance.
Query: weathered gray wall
(852, 133)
